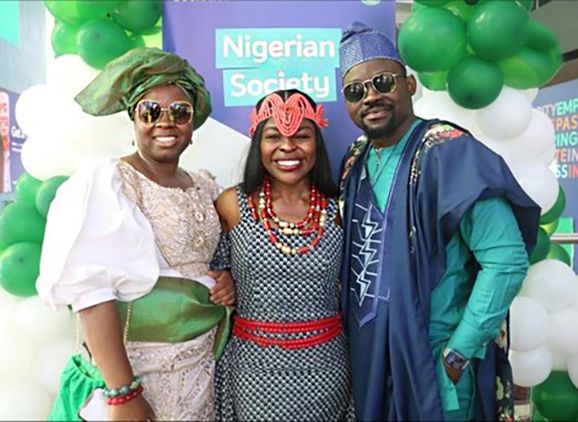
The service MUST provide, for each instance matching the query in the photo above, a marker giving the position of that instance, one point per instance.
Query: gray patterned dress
(272, 383)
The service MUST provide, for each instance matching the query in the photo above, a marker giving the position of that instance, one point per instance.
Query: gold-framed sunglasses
(150, 111)
(384, 83)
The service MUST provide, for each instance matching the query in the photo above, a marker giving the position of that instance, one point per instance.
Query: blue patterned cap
(361, 43)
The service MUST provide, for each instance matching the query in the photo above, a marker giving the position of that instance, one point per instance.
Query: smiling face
(288, 159)
(163, 140)
(381, 116)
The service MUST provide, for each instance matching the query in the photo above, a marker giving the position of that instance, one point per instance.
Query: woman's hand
(137, 409)
(223, 292)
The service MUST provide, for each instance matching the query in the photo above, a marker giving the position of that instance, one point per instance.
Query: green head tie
(124, 80)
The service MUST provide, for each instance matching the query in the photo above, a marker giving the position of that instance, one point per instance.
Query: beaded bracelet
(113, 401)
(123, 391)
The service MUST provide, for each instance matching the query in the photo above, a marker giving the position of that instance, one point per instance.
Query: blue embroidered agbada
(387, 286)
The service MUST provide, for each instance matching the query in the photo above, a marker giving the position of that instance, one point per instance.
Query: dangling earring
(132, 142)
(191, 142)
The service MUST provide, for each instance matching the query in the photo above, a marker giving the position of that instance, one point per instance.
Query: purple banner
(560, 103)
(245, 49)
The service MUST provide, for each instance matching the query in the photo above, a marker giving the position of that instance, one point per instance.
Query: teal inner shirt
(381, 176)
(466, 313)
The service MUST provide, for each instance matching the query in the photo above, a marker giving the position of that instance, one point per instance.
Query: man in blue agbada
(438, 234)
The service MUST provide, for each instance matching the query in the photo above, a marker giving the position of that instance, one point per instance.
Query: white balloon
(532, 367)
(105, 135)
(61, 130)
(42, 322)
(573, 369)
(559, 361)
(209, 142)
(426, 91)
(69, 74)
(529, 324)
(507, 117)
(552, 283)
(24, 400)
(564, 331)
(34, 108)
(445, 108)
(62, 161)
(426, 106)
(6, 298)
(16, 352)
(461, 116)
(8, 304)
(538, 182)
(531, 93)
(548, 157)
(536, 139)
(576, 301)
(49, 364)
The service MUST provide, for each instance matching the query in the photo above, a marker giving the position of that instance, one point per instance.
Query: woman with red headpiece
(287, 358)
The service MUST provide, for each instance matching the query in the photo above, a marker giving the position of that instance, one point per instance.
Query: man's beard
(381, 132)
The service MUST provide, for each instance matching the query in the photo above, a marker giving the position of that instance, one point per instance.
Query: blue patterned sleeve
(222, 257)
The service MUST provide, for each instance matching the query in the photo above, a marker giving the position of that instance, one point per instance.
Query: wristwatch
(455, 359)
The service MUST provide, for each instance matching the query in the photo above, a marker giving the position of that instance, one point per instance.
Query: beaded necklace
(314, 221)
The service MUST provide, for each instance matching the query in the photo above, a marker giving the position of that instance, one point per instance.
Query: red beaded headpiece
(287, 115)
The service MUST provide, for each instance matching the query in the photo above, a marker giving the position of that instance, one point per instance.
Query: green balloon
(558, 252)
(555, 56)
(65, 11)
(138, 15)
(432, 2)
(530, 68)
(136, 41)
(21, 222)
(538, 417)
(19, 268)
(101, 40)
(556, 398)
(540, 37)
(153, 30)
(497, 29)
(557, 209)
(46, 193)
(521, 71)
(26, 188)
(526, 4)
(64, 38)
(474, 83)
(542, 248)
(96, 9)
(460, 8)
(416, 7)
(551, 227)
(432, 40)
(436, 81)
(543, 39)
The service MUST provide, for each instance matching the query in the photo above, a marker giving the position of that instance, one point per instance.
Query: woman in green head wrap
(128, 245)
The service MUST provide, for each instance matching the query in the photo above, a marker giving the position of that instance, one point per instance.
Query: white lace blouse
(111, 232)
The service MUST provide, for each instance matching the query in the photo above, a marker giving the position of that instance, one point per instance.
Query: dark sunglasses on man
(384, 83)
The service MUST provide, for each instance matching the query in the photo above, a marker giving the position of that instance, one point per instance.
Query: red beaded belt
(325, 330)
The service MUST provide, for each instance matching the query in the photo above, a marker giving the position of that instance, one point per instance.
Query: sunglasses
(150, 111)
(384, 83)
